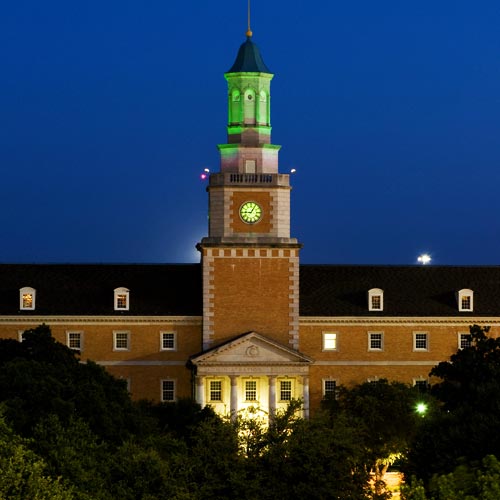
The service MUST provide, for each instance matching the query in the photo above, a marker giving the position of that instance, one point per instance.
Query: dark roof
(249, 59)
(176, 289)
(408, 290)
(88, 289)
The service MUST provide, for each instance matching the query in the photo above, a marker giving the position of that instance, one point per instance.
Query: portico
(251, 372)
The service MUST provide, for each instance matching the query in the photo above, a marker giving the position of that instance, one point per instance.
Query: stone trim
(293, 298)
(208, 298)
(101, 320)
(376, 363)
(431, 321)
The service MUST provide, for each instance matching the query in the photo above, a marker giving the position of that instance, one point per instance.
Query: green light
(421, 408)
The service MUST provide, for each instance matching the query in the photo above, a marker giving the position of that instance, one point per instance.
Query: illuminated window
(375, 341)
(168, 341)
(250, 390)
(375, 299)
(285, 390)
(122, 298)
(329, 341)
(121, 341)
(465, 300)
(420, 341)
(27, 296)
(74, 340)
(329, 389)
(215, 390)
(168, 390)
(464, 340)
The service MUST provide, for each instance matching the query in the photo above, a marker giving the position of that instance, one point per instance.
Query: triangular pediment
(253, 349)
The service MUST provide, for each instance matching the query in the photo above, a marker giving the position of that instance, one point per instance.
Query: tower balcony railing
(235, 178)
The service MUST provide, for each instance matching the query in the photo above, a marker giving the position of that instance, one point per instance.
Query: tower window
(27, 296)
(122, 299)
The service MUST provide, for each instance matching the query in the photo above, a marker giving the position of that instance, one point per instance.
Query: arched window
(27, 298)
(465, 300)
(235, 107)
(375, 299)
(263, 107)
(249, 107)
(122, 299)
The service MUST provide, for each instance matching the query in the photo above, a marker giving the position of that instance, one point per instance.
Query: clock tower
(250, 262)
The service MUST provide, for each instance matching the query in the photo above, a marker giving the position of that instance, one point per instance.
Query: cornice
(102, 320)
(400, 320)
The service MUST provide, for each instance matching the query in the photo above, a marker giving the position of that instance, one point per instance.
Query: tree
(466, 427)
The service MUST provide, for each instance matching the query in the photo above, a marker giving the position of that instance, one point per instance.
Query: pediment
(253, 349)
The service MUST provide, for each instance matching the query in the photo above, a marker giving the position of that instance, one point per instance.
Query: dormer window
(122, 299)
(27, 296)
(465, 300)
(375, 299)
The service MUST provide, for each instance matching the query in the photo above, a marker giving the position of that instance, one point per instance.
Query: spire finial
(249, 31)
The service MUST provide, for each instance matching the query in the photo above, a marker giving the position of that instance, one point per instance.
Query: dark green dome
(249, 59)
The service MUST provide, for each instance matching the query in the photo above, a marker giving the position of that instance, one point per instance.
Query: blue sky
(389, 111)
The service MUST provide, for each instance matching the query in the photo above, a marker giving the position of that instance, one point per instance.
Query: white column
(272, 396)
(200, 390)
(305, 394)
(234, 396)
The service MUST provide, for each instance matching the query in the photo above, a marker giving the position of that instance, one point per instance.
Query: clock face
(250, 212)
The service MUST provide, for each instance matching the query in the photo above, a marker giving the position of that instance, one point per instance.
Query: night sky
(389, 111)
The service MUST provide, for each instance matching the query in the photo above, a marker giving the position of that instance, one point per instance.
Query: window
(74, 340)
(250, 166)
(215, 390)
(375, 341)
(329, 341)
(168, 341)
(250, 390)
(168, 390)
(329, 389)
(420, 341)
(121, 341)
(465, 300)
(375, 299)
(464, 340)
(122, 299)
(27, 296)
(421, 384)
(285, 390)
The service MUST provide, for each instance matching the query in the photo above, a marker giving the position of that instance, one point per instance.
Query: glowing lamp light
(424, 259)
(421, 409)
(293, 170)
(203, 176)
(205, 173)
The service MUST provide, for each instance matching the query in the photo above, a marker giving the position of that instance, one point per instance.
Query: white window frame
(462, 294)
(372, 293)
(420, 349)
(246, 391)
(326, 341)
(376, 349)
(20, 334)
(27, 290)
(115, 335)
(118, 293)
(292, 389)
(174, 338)
(68, 335)
(460, 334)
(209, 389)
(324, 383)
(163, 390)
